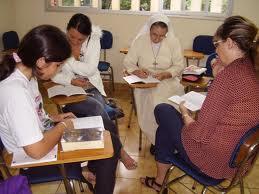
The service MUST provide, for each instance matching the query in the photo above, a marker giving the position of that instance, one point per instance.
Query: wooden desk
(133, 107)
(189, 54)
(70, 157)
(63, 100)
(202, 83)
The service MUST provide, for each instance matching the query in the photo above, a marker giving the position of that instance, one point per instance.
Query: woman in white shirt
(39, 55)
(81, 69)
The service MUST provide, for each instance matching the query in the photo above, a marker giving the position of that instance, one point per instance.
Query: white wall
(30, 13)
(6, 18)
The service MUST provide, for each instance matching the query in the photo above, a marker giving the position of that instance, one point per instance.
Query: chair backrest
(208, 64)
(106, 40)
(10, 40)
(244, 155)
(203, 44)
(247, 147)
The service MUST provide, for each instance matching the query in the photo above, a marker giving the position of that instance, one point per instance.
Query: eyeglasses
(216, 43)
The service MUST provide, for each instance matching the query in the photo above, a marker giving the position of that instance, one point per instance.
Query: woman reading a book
(229, 110)
(24, 124)
(156, 52)
(81, 69)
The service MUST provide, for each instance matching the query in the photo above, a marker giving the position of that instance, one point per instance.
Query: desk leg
(68, 187)
(140, 140)
(187, 62)
(132, 106)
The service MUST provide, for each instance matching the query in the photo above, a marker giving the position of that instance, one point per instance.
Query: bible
(68, 90)
(88, 134)
(193, 100)
(132, 79)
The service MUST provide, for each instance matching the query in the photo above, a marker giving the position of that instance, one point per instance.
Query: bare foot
(128, 162)
(88, 175)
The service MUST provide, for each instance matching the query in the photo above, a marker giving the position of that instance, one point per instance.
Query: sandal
(150, 182)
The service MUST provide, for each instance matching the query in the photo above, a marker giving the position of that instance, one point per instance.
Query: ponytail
(7, 66)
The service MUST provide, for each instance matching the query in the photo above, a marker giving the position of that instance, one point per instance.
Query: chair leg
(81, 186)
(194, 185)
(164, 185)
(112, 79)
(130, 114)
(204, 190)
(140, 140)
(241, 186)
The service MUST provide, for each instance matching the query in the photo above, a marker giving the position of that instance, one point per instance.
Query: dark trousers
(168, 134)
(105, 169)
(92, 106)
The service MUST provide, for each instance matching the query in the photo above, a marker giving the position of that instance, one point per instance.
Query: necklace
(155, 50)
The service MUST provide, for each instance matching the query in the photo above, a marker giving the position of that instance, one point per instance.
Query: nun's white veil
(153, 19)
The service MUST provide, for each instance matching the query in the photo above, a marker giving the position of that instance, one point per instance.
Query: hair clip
(16, 58)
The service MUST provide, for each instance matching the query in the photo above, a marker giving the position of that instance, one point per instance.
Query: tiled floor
(127, 182)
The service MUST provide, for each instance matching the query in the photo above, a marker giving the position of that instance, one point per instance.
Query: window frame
(182, 14)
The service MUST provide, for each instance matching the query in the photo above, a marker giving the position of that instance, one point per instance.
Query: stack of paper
(21, 158)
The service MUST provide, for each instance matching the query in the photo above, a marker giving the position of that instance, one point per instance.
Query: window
(214, 8)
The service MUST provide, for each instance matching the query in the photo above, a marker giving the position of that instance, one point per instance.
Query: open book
(193, 100)
(88, 134)
(194, 70)
(131, 79)
(21, 158)
(68, 90)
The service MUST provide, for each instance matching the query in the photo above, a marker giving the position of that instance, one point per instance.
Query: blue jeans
(92, 106)
(168, 134)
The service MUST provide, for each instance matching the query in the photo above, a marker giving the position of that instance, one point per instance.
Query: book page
(65, 90)
(88, 122)
(21, 158)
(132, 79)
(193, 100)
(135, 79)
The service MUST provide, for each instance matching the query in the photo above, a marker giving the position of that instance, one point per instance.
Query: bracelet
(63, 123)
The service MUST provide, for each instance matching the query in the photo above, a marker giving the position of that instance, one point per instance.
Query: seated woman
(155, 52)
(229, 110)
(81, 69)
(40, 53)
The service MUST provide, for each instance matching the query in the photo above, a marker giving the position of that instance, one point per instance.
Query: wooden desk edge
(70, 157)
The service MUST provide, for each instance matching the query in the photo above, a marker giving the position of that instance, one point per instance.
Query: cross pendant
(155, 63)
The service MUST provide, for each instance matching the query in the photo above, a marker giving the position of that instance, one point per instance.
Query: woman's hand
(76, 51)
(79, 82)
(142, 73)
(185, 114)
(217, 66)
(62, 117)
(163, 75)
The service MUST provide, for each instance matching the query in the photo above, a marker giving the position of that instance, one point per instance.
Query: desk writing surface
(63, 100)
(201, 83)
(192, 54)
(73, 156)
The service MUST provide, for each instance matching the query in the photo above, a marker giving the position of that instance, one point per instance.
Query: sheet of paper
(21, 158)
